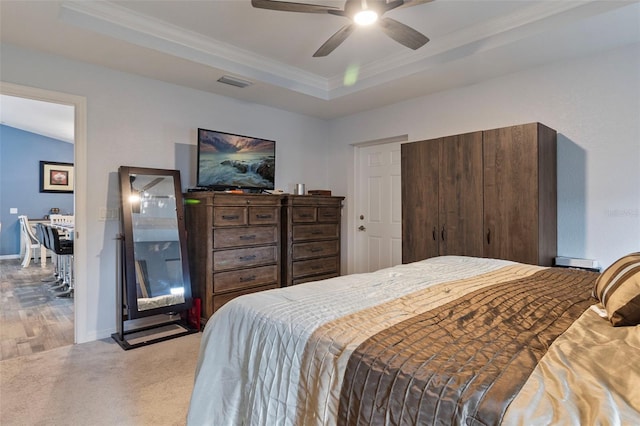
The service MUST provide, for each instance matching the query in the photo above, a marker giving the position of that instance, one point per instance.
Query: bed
(447, 340)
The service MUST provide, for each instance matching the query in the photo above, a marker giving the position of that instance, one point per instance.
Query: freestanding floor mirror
(154, 293)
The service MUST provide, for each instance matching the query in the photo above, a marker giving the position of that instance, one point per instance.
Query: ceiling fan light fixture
(359, 12)
(365, 17)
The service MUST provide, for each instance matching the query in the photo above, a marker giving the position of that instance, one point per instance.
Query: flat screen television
(228, 161)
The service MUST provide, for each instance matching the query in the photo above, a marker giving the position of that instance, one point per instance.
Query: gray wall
(593, 103)
(137, 121)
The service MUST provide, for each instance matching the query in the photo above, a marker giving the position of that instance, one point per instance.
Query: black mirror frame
(128, 256)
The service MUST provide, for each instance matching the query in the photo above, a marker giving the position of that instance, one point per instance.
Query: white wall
(141, 122)
(593, 103)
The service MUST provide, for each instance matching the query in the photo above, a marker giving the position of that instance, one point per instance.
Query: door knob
(361, 228)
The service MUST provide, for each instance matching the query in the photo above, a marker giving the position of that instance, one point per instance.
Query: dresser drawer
(244, 236)
(310, 200)
(315, 232)
(245, 278)
(263, 215)
(314, 278)
(303, 214)
(315, 249)
(328, 214)
(229, 216)
(221, 299)
(245, 200)
(323, 265)
(244, 257)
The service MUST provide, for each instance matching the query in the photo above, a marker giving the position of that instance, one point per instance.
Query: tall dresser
(311, 238)
(234, 245)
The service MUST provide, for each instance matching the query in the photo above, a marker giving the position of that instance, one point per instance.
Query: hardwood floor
(32, 318)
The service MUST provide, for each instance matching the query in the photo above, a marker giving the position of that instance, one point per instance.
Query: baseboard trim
(9, 256)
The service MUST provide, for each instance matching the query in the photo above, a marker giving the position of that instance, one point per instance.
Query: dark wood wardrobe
(489, 193)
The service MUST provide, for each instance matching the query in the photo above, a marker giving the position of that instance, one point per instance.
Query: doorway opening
(78, 304)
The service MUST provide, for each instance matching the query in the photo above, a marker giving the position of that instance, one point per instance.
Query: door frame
(352, 219)
(79, 103)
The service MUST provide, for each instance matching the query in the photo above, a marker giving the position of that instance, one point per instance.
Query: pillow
(618, 289)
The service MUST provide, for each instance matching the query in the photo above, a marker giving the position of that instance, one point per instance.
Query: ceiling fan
(360, 12)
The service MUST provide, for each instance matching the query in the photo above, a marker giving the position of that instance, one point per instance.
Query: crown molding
(124, 24)
(502, 30)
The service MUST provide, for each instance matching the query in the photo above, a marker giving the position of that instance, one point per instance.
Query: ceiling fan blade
(151, 184)
(409, 3)
(334, 41)
(403, 34)
(292, 7)
(393, 4)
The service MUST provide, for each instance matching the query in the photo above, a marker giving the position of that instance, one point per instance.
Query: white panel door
(378, 241)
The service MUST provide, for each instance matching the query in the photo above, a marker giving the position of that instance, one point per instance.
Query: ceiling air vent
(234, 81)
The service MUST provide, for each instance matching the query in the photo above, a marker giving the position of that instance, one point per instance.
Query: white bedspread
(256, 348)
(249, 366)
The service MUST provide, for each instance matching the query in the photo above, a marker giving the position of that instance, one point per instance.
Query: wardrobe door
(460, 195)
(419, 173)
(511, 193)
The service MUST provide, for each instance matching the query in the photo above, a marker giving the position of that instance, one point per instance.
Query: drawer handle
(316, 249)
(316, 267)
(264, 216)
(247, 237)
(317, 233)
(328, 215)
(306, 215)
(247, 279)
(229, 217)
(250, 257)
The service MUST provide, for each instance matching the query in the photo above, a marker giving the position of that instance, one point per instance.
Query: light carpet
(98, 383)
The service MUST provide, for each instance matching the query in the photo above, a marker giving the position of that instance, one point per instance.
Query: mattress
(447, 340)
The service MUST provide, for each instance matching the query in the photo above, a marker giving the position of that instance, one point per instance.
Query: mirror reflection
(152, 268)
(156, 244)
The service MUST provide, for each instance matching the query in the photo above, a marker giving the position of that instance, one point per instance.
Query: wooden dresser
(311, 238)
(234, 245)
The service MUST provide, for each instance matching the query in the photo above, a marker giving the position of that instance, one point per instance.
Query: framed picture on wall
(56, 177)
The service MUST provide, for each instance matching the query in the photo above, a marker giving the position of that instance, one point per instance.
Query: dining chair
(63, 222)
(64, 252)
(31, 243)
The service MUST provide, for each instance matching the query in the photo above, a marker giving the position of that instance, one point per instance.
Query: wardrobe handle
(442, 233)
(433, 233)
(488, 235)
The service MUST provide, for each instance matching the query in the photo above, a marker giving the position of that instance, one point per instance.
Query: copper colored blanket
(465, 361)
